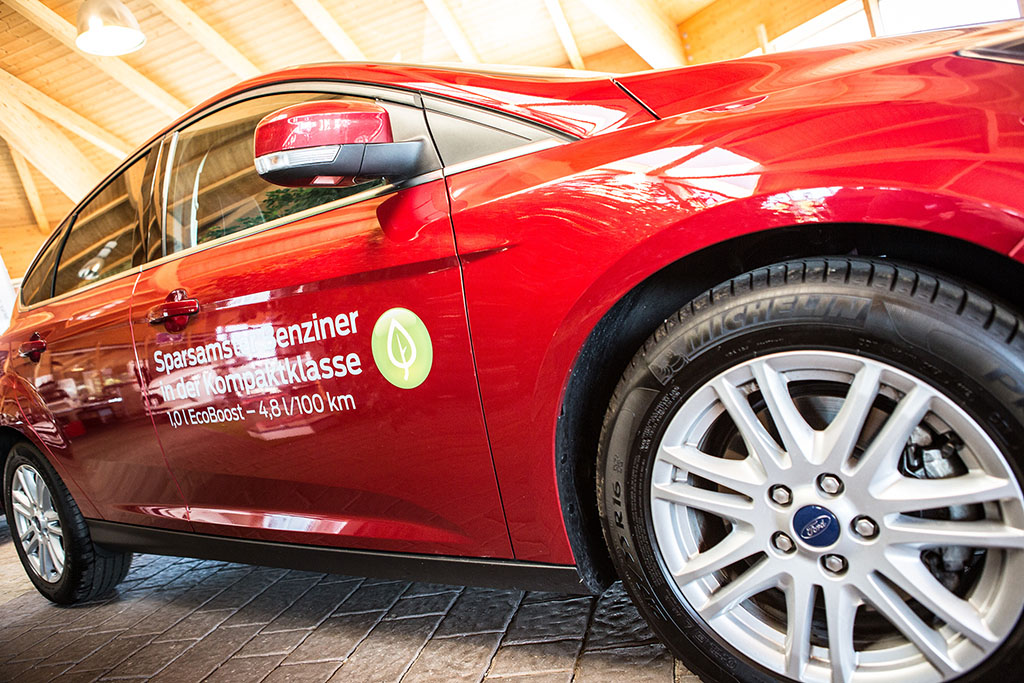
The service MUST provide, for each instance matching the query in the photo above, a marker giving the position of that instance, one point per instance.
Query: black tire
(962, 342)
(89, 571)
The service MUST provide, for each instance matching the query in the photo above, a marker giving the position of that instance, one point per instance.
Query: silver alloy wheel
(37, 524)
(835, 433)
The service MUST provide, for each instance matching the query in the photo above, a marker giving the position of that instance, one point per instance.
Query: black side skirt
(385, 565)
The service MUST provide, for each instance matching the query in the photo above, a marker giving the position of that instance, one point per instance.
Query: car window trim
(135, 270)
(58, 234)
(370, 193)
(488, 117)
(64, 229)
(491, 119)
(315, 86)
(327, 87)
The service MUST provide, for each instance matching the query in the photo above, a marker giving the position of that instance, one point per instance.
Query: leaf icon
(405, 356)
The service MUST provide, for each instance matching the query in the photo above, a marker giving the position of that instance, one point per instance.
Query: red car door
(78, 363)
(310, 351)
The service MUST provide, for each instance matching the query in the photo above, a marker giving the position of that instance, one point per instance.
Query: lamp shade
(107, 28)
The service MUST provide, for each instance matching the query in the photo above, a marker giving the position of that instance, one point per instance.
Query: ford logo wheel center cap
(816, 526)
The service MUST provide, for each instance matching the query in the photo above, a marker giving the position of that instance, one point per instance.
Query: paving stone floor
(180, 620)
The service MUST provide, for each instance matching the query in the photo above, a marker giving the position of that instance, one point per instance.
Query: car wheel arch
(8, 437)
(628, 321)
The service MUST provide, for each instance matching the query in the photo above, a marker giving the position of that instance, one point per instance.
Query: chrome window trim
(352, 88)
(67, 295)
(497, 157)
(370, 193)
(990, 55)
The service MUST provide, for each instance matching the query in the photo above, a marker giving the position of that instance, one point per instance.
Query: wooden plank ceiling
(66, 119)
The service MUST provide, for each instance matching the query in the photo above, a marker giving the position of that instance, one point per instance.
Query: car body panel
(900, 132)
(626, 204)
(578, 106)
(83, 400)
(838, 72)
(347, 460)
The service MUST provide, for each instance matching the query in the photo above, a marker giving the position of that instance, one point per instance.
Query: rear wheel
(813, 473)
(50, 534)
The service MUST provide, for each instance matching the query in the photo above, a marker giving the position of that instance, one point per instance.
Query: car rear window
(105, 234)
(38, 282)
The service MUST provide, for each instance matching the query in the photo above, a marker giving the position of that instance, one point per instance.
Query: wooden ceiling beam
(642, 25)
(572, 50)
(57, 27)
(722, 29)
(47, 148)
(874, 17)
(194, 25)
(330, 29)
(52, 109)
(28, 184)
(452, 31)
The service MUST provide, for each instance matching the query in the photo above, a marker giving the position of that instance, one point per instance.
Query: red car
(747, 336)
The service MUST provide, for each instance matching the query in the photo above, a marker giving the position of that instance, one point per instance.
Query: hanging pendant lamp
(107, 28)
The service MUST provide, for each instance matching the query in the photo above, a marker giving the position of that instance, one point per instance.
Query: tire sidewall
(63, 590)
(941, 346)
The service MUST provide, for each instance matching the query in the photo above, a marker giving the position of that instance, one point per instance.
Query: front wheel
(812, 473)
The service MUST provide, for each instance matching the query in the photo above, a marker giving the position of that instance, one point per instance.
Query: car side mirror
(331, 142)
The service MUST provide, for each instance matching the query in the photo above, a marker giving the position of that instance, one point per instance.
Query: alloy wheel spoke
(27, 485)
(44, 496)
(797, 435)
(737, 545)
(758, 441)
(906, 494)
(53, 522)
(915, 532)
(21, 509)
(837, 441)
(882, 455)
(743, 476)
(906, 571)
(799, 618)
(56, 552)
(929, 641)
(34, 560)
(762, 576)
(44, 557)
(840, 610)
(728, 505)
(18, 496)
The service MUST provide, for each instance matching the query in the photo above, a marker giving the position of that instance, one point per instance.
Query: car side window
(105, 237)
(464, 134)
(211, 187)
(38, 282)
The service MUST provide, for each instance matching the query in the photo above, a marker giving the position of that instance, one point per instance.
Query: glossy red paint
(84, 404)
(627, 204)
(378, 467)
(529, 253)
(316, 124)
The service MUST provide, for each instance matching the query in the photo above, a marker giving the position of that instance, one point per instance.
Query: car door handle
(173, 315)
(33, 348)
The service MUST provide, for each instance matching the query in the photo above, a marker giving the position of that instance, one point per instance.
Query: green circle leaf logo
(401, 348)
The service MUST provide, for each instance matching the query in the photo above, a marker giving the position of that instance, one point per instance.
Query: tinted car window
(212, 189)
(38, 282)
(464, 133)
(105, 234)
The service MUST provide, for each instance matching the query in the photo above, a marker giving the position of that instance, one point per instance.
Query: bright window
(844, 23)
(847, 21)
(906, 16)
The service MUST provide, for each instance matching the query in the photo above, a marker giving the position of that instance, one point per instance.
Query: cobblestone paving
(181, 620)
